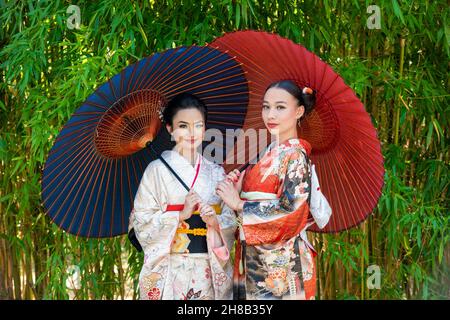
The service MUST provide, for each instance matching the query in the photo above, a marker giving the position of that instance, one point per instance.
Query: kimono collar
(182, 166)
(306, 145)
(294, 141)
(175, 158)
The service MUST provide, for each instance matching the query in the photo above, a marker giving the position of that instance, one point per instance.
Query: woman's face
(188, 129)
(280, 112)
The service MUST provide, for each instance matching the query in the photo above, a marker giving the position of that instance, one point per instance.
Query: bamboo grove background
(400, 72)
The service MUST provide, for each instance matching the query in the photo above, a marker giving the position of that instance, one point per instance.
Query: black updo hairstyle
(305, 97)
(183, 101)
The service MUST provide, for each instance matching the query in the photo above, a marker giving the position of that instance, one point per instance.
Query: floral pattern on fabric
(181, 241)
(292, 179)
(278, 265)
(156, 228)
(151, 284)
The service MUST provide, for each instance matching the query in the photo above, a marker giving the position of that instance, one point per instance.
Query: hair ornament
(161, 109)
(307, 90)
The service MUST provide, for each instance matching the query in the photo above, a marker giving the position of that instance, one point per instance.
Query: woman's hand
(236, 177)
(208, 215)
(191, 201)
(230, 195)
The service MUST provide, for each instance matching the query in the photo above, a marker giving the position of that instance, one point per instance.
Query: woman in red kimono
(274, 259)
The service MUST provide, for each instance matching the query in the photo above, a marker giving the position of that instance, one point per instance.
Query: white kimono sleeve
(319, 207)
(221, 241)
(228, 225)
(154, 228)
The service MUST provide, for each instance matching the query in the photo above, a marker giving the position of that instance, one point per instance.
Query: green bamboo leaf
(440, 34)
(311, 39)
(441, 251)
(398, 11)
(429, 134)
(395, 204)
(425, 290)
(437, 128)
(447, 39)
(238, 15)
(244, 12)
(6, 197)
(144, 37)
(419, 235)
(19, 167)
(139, 14)
(116, 21)
(230, 10)
(249, 3)
(388, 203)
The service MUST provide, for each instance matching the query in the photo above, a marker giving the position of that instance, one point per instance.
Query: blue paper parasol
(93, 170)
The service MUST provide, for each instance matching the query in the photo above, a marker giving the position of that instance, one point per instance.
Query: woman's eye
(265, 107)
(183, 126)
(281, 107)
(199, 125)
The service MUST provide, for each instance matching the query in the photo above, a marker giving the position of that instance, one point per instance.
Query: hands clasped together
(228, 190)
(207, 213)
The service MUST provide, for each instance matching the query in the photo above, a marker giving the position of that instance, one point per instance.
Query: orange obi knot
(195, 231)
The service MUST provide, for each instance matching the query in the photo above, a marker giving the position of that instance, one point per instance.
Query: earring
(298, 122)
(160, 112)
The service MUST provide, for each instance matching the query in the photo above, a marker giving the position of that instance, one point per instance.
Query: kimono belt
(261, 196)
(194, 228)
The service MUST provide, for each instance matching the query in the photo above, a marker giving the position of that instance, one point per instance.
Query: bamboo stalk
(362, 262)
(3, 266)
(318, 245)
(39, 255)
(333, 282)
(397, 110)
(9, 275)
(15, 263)
(348, 277)
(322, 267)
(3, 255)
(327, 274)
(121, 275)
(26, 257)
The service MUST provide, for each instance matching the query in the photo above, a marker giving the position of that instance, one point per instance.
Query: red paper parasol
(345, 147)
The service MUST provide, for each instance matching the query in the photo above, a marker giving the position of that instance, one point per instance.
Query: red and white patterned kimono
(274, 259)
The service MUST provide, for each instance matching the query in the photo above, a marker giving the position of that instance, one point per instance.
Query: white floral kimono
(169, 270)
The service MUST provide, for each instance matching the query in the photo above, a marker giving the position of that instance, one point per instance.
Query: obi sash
(196, 230)
(260, 196)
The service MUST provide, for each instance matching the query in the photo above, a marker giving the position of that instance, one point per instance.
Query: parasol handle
(150, 145)
(244, 167)
(256, 159)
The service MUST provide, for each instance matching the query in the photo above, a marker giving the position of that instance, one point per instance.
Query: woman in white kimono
(186, 237)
